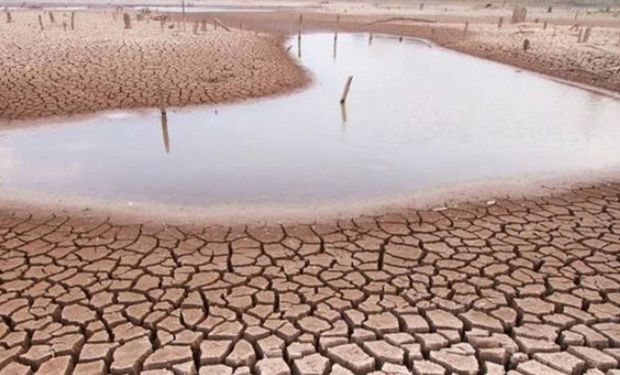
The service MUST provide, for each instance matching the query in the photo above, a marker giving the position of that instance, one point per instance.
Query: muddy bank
(49, 69)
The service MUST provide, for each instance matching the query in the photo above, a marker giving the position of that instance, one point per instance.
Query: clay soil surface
(517, 286)
(530, 285)
(101, 65)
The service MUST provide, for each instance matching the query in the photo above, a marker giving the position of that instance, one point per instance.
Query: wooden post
(500, 22)
(370, 39)
(580, 36)
(526, 44)
(164, 118)
(337, 24)
(183, 13)
(301, 20)
(422, 6)
(51, 15)
(72, 20)
(41, 22)
(127, 21)
(345, 93)
(550, 9)
(545, 25)
(9, 18)
(519, 14)
(466, 27)
(586, 35)
(218, 22)
(164, 129)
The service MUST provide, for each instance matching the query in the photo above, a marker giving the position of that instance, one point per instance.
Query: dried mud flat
(524, 286)
(100, 65)
(520, 286)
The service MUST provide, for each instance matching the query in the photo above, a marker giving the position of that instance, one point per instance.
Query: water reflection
(335, 46)
(343, 112)
(164, 129)
(417, 118)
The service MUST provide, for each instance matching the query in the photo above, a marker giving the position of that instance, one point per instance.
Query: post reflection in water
(164, 129)
(335, 45)
(343, 112)
(299, 46)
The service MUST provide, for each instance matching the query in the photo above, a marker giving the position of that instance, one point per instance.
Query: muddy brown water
(418, 118)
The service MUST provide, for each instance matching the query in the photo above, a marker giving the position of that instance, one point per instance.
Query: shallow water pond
(417, 118)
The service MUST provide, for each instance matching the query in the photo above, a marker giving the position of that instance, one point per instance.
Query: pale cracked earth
(47, 69)
(521, 286)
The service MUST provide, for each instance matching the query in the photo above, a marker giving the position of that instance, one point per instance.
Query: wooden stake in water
(500, 22)
(345, 93)
(370, 39)
(337, 25)
(164, 130)
(72, 20)
(41, 22)
(9, 18)
(545, 25)
(301, 20)
(51, 15)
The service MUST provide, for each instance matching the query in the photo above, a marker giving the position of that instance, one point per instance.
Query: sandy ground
(100, 65)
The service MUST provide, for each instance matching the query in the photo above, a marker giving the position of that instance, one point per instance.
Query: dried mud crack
(519, 286)
(100, 65)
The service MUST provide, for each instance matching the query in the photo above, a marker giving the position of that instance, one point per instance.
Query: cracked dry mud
(527, 286)
(100, 65)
